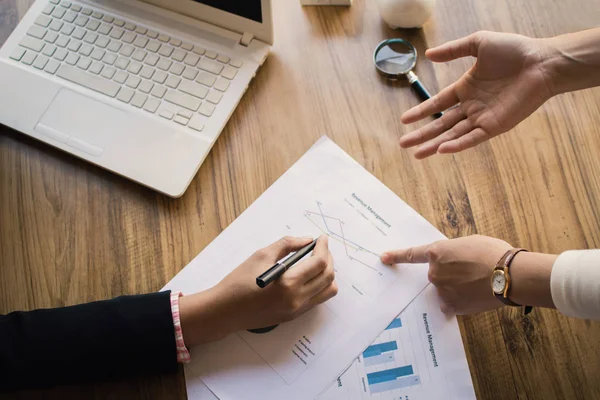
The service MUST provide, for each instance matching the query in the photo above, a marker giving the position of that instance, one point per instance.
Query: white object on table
(326, 2)
(327, 192)
(405, 13)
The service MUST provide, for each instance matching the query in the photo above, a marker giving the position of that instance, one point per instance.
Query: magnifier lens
(396, 57)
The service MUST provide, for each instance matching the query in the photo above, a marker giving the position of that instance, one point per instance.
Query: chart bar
(377, 349)
(399, 383)
(380, 359)
(397, 323)
(389, 374)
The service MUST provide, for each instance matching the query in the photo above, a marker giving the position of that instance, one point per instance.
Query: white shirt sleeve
(575, 283)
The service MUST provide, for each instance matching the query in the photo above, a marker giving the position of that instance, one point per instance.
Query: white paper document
(325, 192)
(419, 356)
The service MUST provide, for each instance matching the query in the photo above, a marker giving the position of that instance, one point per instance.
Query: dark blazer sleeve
(96, 341)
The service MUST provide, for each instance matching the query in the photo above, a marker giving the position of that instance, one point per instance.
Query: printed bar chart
(397, 323)
(380, 348)
(389, 374)
(398, 383)
(380, 359)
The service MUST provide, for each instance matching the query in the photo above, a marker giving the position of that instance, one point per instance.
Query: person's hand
(237, 303)
(460, 269)
(509, 81)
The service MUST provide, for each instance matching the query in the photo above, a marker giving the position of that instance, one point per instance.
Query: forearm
(573, 61)
(94, 341)
(530, 279)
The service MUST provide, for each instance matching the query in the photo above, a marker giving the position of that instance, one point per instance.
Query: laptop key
(52, 67)
(43, 20)
(48, 9)
(128, 37)
(32, 43)
(96, 68)
(108, 72)
(56, 25)
(214, 97)
(183, 100)
(221, 84)
(67, 29)
(147, 72)
(223, 59)
(206, 109)
(29, 58)
(125, 95)
(59, 12)
(87, 80)
(206, 79)
(181, 120)
(104, 29)
(146, 87)
(190, 73)
(229, 72)
(60, 54)
(194, 89)
(151, 105)
(173, 82)
(70, 16)
(40, 62)
(133, 82)
(191, 59)
(84, 63)
(176, 69)
(49, 50)
(178, 55)
(159, 91)
(121, 77)
(139, 100)
(210, 66)
(72, 58)
(93, 25)
(86, 50)
(37, 32)
(196, 123)
(51, 37)
(17, 53)
(81, 21)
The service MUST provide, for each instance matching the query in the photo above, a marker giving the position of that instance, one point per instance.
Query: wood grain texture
(72, 233)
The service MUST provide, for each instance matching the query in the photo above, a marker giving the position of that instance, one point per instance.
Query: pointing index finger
(411, 255)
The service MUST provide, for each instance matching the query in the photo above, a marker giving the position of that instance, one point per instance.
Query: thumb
(463, 47)
(411, 255)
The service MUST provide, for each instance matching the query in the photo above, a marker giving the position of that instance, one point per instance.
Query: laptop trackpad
(81, 122)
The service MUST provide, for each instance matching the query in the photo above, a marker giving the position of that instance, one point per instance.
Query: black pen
(276, 270)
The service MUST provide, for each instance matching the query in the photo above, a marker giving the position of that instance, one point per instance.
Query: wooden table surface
(71, 232)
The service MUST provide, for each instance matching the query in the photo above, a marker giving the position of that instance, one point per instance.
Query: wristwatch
(501, 279)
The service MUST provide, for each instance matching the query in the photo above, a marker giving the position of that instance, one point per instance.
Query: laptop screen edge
(261, 31)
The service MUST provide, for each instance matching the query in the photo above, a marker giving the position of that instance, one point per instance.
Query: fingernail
(385, 258)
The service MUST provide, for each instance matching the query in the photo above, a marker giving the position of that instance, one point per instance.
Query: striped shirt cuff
(183, 355)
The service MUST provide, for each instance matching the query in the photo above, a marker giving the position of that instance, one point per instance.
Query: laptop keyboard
(144, 68)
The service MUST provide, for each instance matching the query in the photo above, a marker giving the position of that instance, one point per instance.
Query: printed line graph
(329, 226)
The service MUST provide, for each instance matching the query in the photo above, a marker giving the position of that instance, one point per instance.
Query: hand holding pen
(238, 303)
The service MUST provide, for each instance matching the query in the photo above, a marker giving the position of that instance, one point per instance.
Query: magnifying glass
(394, 58)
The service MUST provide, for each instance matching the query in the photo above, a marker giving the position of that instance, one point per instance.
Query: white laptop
(141, 88)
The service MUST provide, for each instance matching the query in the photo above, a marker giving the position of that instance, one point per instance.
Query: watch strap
(504, 264)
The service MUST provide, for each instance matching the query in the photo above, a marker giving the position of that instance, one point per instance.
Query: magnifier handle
(421, 91)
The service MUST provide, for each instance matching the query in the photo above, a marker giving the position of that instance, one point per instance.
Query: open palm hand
(507, 83)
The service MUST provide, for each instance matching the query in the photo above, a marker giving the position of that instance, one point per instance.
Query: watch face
(498, 282)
